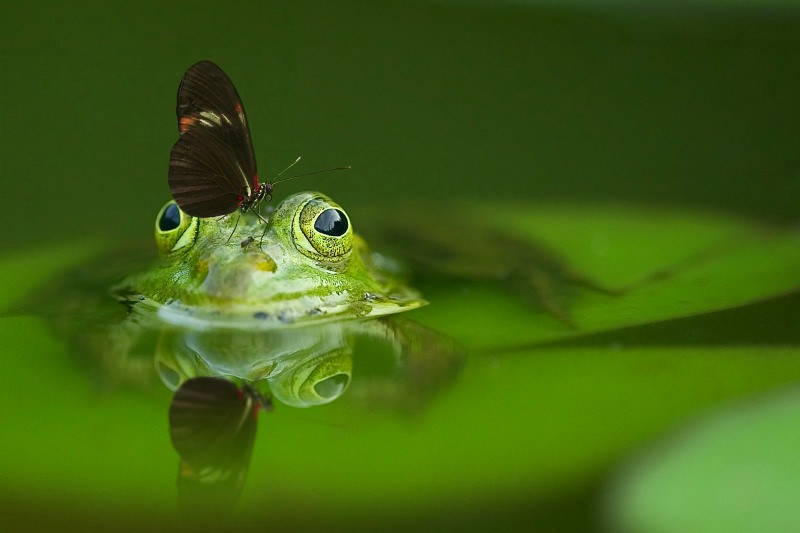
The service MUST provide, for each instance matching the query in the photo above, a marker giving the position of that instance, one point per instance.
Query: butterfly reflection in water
(212, 424)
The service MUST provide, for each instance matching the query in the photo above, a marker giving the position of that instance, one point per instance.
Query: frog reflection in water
(280, 314)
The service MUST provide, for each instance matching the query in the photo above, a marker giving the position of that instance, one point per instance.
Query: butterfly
(212, 166)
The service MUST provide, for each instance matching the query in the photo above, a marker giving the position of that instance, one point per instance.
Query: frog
(280, 304)
(303, 264)
(297, 310)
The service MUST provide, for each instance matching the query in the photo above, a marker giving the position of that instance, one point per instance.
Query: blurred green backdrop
(652, 103)
(692, 104)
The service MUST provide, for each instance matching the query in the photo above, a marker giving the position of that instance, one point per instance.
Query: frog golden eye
(174, 229)
(322, 230)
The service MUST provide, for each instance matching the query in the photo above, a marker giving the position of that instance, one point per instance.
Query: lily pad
(734, 470)
(666, 264)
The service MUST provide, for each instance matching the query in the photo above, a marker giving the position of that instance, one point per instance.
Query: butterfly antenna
(278, 175)
(348, 167)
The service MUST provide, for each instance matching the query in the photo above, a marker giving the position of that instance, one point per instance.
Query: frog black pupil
(331, 222)
(171, 218)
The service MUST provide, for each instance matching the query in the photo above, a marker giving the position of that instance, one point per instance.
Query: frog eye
(332, 222)
(174, 229)
(170, 217)
(322, 230)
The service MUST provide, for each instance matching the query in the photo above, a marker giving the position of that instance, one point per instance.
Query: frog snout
(233, 276)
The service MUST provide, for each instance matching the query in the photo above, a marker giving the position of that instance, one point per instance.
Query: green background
(692, 104)
(674, 110)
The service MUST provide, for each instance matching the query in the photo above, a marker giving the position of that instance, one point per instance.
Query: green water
(673, 128)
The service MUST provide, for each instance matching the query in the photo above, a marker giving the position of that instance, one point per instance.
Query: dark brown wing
(205, 177)
(212, 426)
(211, 117)
(213, 423)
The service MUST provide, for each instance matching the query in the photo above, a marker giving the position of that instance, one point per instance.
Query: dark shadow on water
(772, 322)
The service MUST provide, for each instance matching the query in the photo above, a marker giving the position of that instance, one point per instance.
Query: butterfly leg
(236, 225)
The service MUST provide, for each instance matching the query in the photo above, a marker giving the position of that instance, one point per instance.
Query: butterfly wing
(206, 178)
(212, 427)
(213, 423)
(212, 165)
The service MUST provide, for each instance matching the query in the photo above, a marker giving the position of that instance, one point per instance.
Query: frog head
(304, 264)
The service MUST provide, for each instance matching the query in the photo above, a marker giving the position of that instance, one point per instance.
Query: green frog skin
(308, 267)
